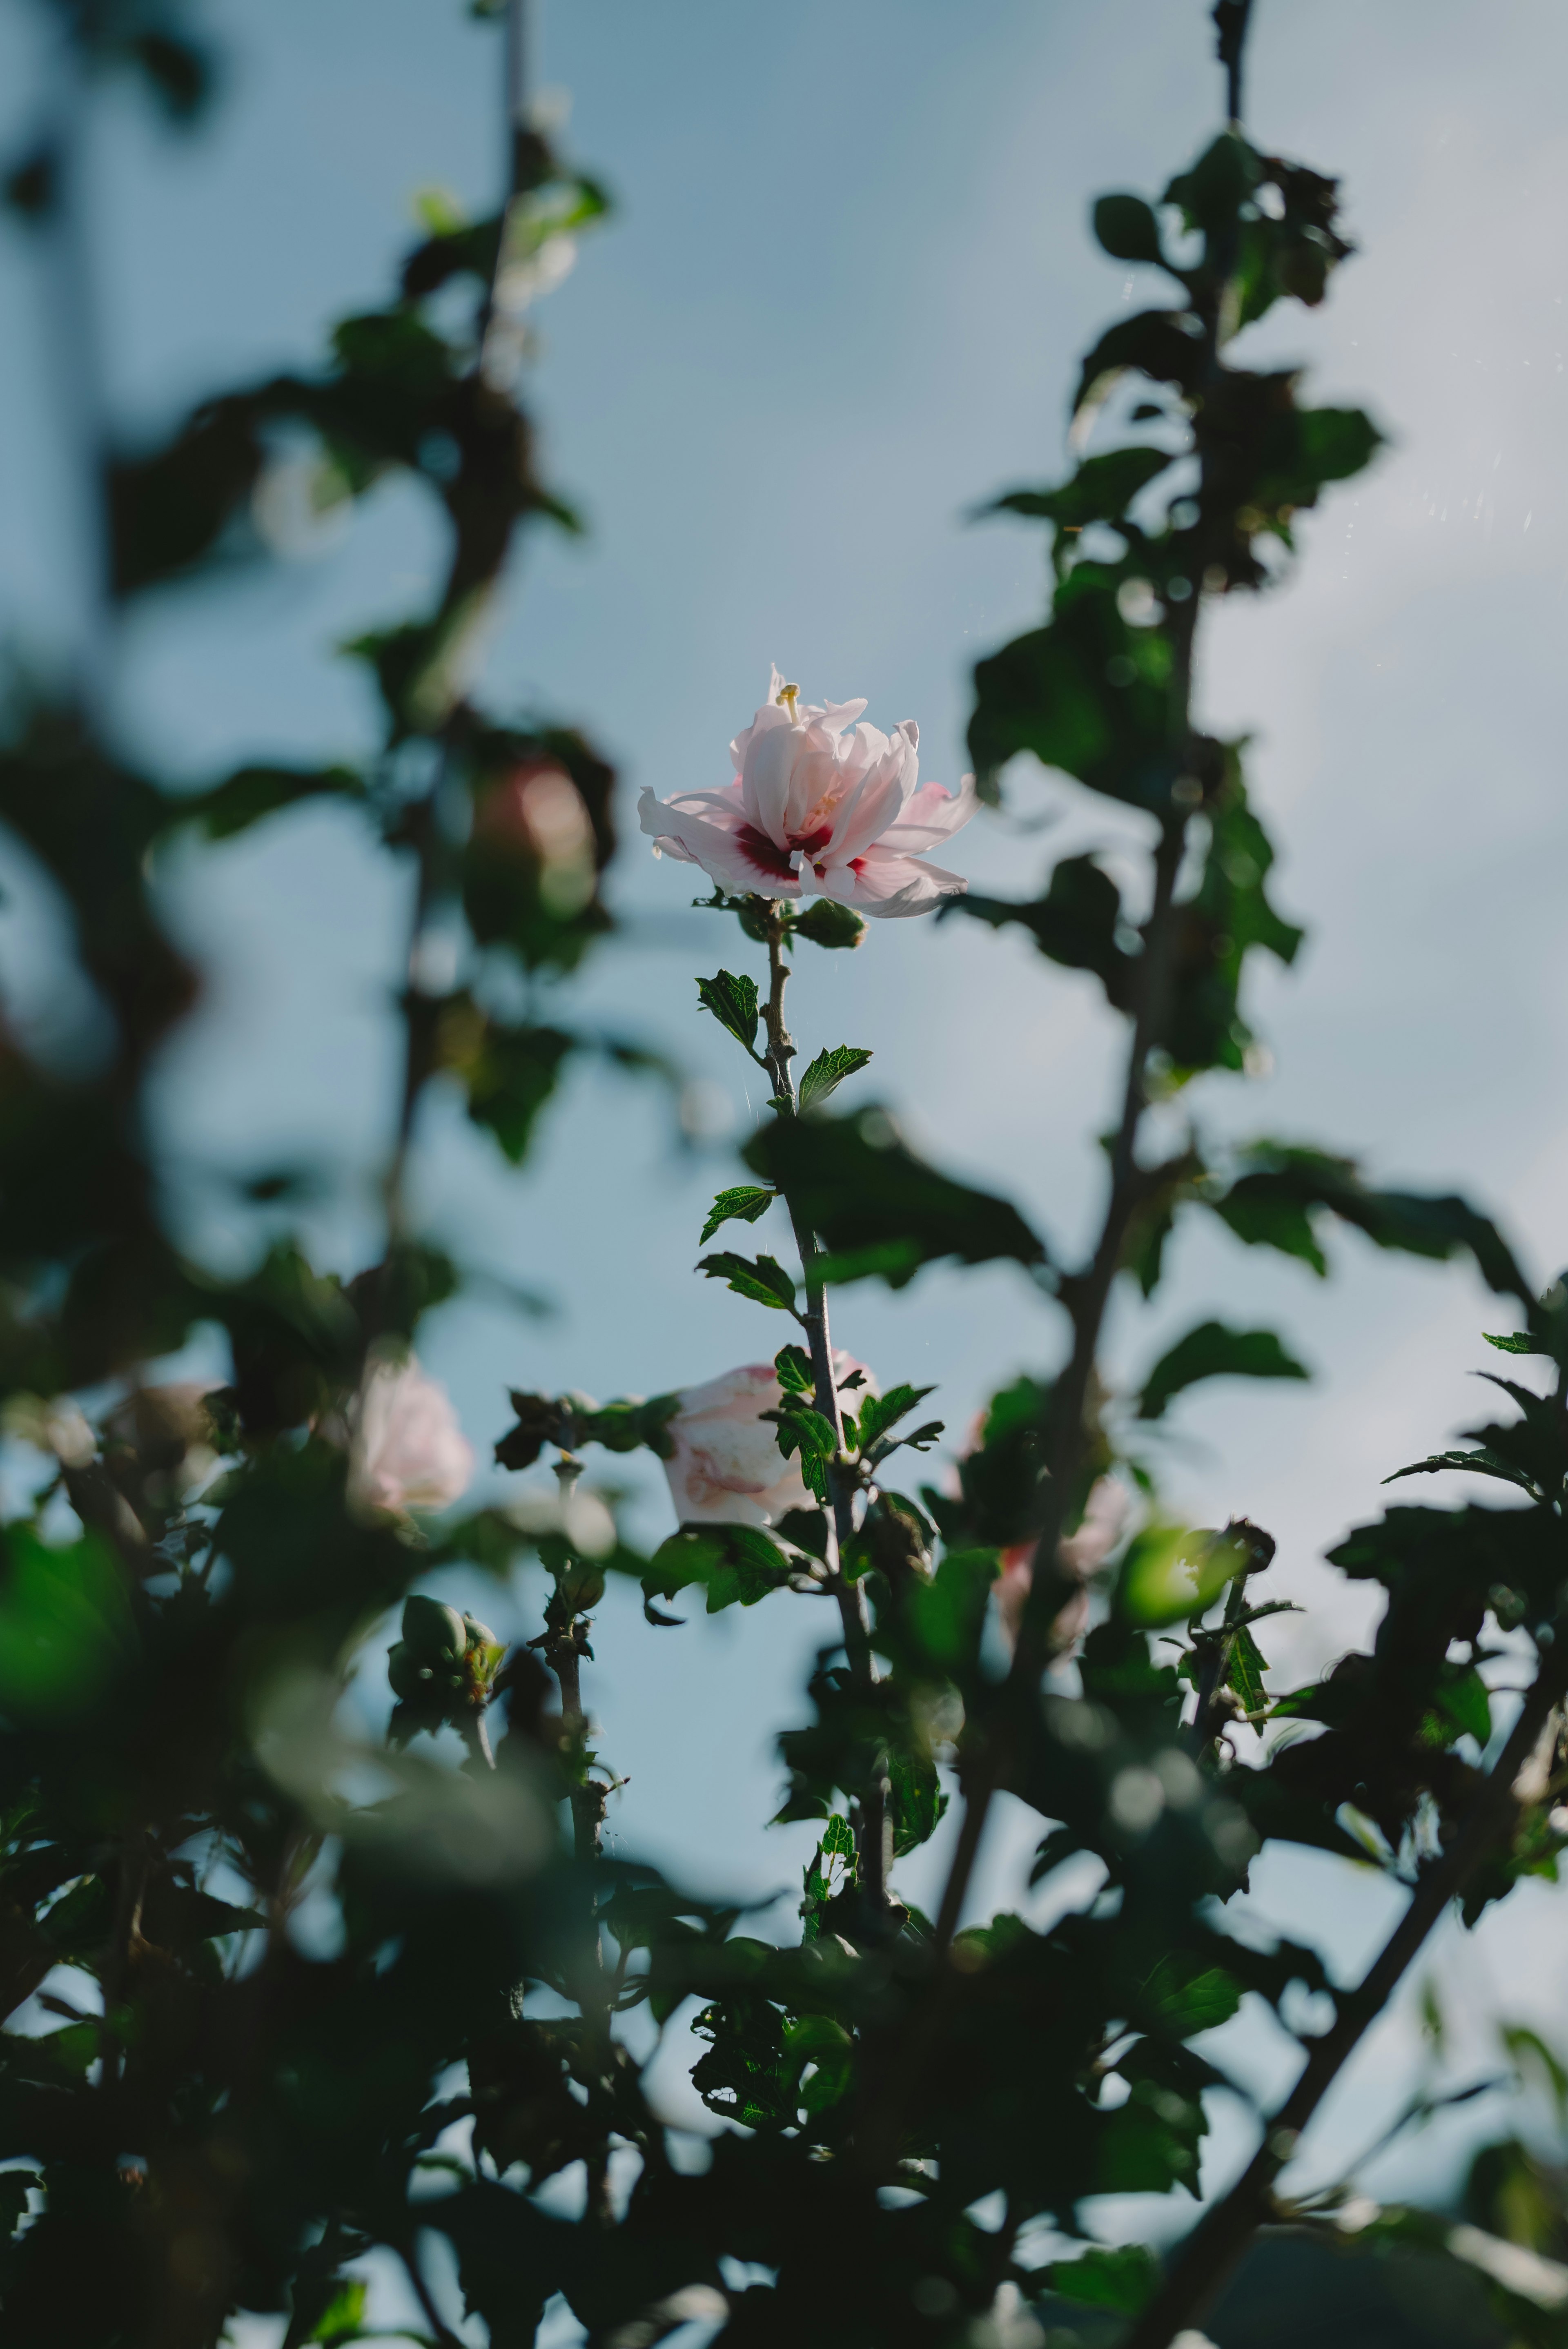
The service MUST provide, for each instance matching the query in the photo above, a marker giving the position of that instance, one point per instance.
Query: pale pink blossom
(727, 1467)
(819, 805)
(1078, 1554)
(406, 1448)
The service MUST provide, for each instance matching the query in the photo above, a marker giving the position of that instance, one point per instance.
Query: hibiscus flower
(818, 804)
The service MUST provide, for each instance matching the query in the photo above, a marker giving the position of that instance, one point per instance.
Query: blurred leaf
(1173, 1572)
(1088, 695)
(1100, 490)
(1125, 227)
(251, 793)
(1167, 345)
(66, 1626)
(878, 1208)
(1075, 923)
(1214, 1350)
(1123, 2278)
(1273, 1200)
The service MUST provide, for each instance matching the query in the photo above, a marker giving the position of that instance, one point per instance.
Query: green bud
(436, 1634)
(479, 1635)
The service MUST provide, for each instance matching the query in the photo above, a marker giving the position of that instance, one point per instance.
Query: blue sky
(841, 304)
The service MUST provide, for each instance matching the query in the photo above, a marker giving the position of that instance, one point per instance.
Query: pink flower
(1078, 1554)
(405, 1449)
(815, 808)
(727, 1467)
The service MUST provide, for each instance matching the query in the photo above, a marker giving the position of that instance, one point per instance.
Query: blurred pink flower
(406, 1448)
(1104, 1516)
(727, 1467)
(813, 808)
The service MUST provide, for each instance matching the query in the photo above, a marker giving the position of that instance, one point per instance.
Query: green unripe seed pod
(435, 1634)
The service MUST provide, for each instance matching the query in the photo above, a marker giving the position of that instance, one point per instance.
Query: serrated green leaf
(733, 1003)
(1245, 1670)
(837, 1837)
(828, 1072)
(881, 1411)
(793, 1366)
(1214, 1351)
(738, 1565)
(801, 1429)
(742, 1205)
(762, 1279)
(1517, 1342)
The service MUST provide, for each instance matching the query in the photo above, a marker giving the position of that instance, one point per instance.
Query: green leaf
(837, 1837)
(880, 1412)
(1167, 345)
(509, 1073)
(762, 1279)
(733, 1003)
(828, 1072)
(1245, 1669)
(1188, 1995)
(805, 1529)
(878, 1208)
(1100, 490)
(1463, 1702)
(1481, 1463)
(1123, 2278)
(1075, 923)
(1126, 228)
(737, 1564)
(66, 1625)
(827, 923)
(1214, 1350)
(251, 793)
(794, 1369)
(1172, 1572)
(743, 1205)
(1089, 694)
(343, 2318)
(1516, 1341)
(1281, 1186)
(801, 1429)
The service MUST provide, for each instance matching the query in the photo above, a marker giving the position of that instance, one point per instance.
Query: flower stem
(873, 1838)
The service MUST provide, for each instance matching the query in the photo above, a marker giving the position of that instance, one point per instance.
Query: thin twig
(1221, 2236)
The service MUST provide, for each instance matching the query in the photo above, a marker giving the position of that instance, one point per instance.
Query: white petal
(887, 885)
(932, 815)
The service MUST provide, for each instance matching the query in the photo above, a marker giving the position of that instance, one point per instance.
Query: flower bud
(435, 1634)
